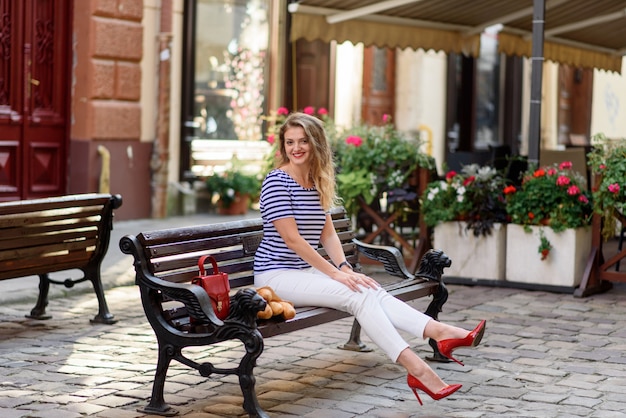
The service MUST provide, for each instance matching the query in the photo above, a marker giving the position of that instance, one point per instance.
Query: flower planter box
(565, 264)
(472, 257)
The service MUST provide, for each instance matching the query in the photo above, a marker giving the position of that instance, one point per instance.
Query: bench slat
(30, 254)
(21, 268)
(9, 234)
(26, 239)
(53, 203)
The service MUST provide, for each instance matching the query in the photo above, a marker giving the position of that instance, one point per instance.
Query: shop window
(231, 41)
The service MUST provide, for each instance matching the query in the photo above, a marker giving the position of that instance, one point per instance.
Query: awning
(585, 33)
(312, 27)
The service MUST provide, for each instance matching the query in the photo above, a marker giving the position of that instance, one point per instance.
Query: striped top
(282, 197)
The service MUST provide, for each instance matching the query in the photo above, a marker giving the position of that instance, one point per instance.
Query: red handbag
(216, 285)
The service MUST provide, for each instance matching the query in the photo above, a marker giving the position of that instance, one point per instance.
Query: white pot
(565, 264)
(481, 257)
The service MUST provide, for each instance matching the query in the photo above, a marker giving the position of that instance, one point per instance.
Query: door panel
(33, 98)
(575, 94)
(379, 70)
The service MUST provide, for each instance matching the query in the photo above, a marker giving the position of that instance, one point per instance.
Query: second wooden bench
(43, 236)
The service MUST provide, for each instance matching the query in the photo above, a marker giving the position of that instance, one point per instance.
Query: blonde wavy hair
(322, 164)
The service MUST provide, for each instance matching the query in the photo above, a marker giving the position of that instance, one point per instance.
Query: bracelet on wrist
(344, 263)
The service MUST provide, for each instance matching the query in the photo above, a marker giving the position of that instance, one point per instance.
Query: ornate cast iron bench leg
(434, 307)
(354, 342)
(39, 311)
(157, 405)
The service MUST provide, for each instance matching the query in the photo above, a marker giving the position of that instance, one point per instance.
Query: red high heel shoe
(446, 347)
(415, 384)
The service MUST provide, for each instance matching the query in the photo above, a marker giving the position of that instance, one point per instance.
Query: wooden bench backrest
(172, 254)
(53, 234)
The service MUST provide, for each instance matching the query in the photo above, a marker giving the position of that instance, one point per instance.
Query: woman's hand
(355, 280)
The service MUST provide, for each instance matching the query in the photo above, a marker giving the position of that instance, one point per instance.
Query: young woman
(295, 200)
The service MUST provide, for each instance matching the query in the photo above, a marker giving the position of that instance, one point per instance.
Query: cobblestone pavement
(543, 355)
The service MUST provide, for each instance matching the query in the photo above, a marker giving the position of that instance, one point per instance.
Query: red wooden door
(575, 94)
(34, 94)
(379, 67)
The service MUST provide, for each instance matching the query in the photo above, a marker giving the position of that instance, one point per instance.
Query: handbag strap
(201, 262)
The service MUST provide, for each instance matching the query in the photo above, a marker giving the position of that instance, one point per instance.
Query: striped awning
(582, 33)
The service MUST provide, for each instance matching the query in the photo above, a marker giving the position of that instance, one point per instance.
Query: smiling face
(297, 146)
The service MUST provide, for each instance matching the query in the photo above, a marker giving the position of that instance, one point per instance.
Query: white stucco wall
(348, 84)
(149, 68)
(421, 98)
(550, 106)
(608, 112)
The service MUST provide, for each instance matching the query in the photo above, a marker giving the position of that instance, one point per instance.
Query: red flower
(565, 165)
(602, 166)
(283, 111)
(544, 253)
(469, 180)
(271, 138)
(562, 181)
(309, 110)
(322, 111)
(510, 189)
(539, 173)
(531, 215)
(354, 140)
(614, 188)
(582, 198)
(450, 174)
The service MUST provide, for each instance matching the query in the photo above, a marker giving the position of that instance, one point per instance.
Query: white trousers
(380, 314)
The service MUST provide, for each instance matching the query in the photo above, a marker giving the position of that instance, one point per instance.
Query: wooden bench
(42, 236)
(165, 261)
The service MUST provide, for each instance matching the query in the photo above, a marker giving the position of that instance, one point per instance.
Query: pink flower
(271, 138)
(602, 166)
(582, 198)
(354, 140)
(614, 188)
(309, 110)
(573, 190)
(551, 171)
(450, 174)
(283, 111)
(386, 118)
(322, 111)
(562, 181)
(565, 165)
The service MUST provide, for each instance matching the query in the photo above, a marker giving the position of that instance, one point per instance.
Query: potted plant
(608, 165)
(233, 189)
(376, 167)
(549, 238)
(468, 213)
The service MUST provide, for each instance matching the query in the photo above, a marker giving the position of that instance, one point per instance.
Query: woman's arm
(288, 230)
(332, 244)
